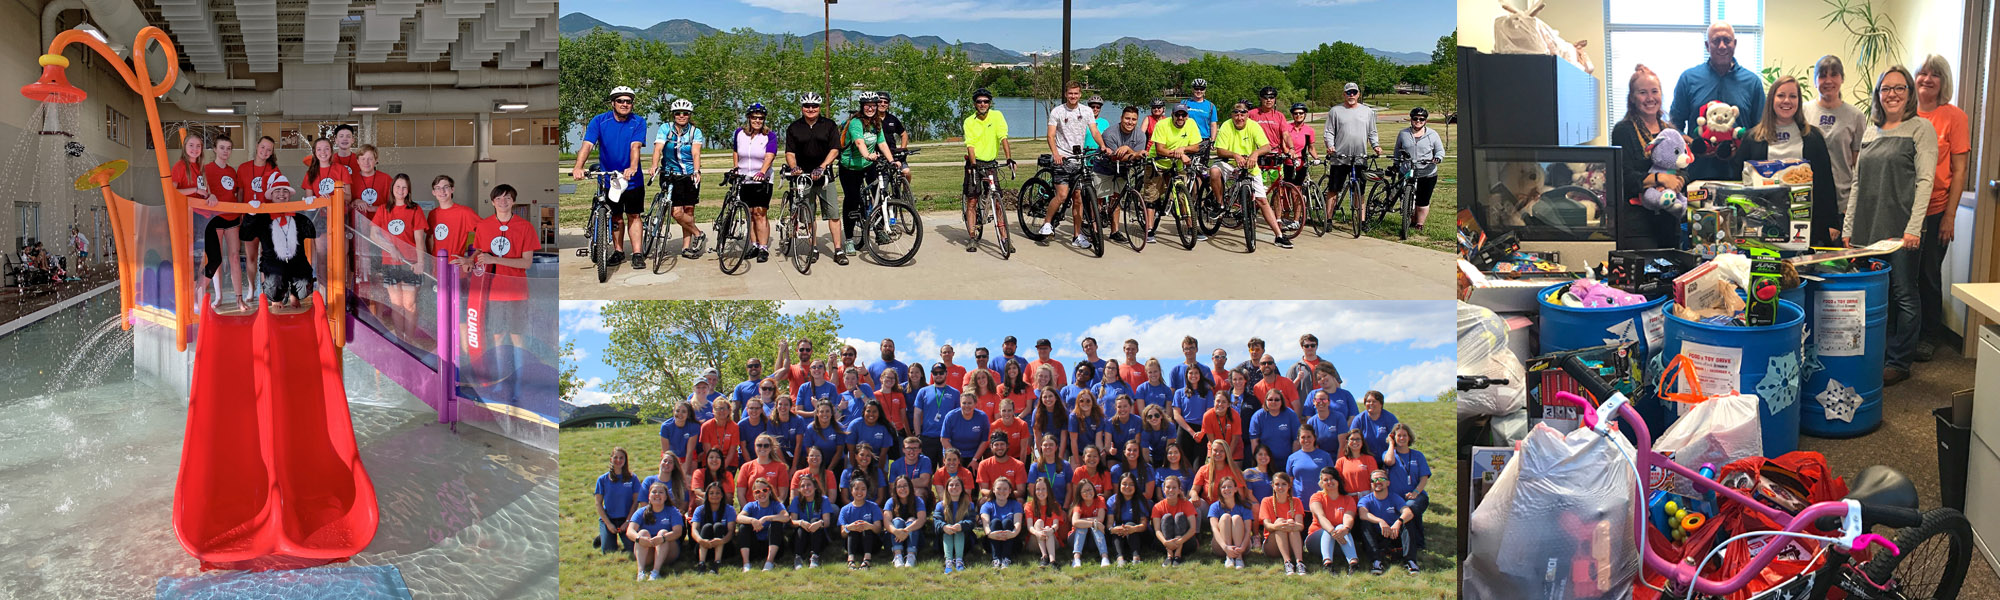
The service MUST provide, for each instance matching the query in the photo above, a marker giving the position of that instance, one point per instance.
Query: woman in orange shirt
(893, 408)
(815, 469)
(714, 469)
(1093, 469)
(1006, 421)
(720, 433)
(954, 466)
(1332, 522)
(1207, 486)
(1224, 424)
(1016, 388)
(1045, 520)
(986, 396)
(1283, 517)
(1354, 463)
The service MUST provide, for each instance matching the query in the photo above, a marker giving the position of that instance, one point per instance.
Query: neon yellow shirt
(1165, 134)
(1241, 141)
(984, 136)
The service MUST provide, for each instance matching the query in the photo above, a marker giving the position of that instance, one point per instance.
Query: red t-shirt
(1167, 507)
(1335, 507)
(825, 482)
(507, 239)
(699, 482)
(1133, 374)
(1269, 509)
(221, 182)
(718, 433)
(990, 403)
(940, 478)
(892, 403)
(1284, 386)
(371, 190)
(954, 376)
(776, 473)
(1954, 136)
(451, 229)
(1062, 379)
(1017, 436)
(1354, 472)
(250, 178)
(1099, 482)
(1232, 434)
(351, 160)
(188, 176)
(326, 181)
(1086, 509)
(1015, 471)
(402, 223)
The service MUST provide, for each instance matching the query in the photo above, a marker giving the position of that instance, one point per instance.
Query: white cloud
(578, 316)
(590, 393)
(1230, 324)
(949, 10)
(799, 307)
(577, 355)
(1419, 382)
(924, 346)
(1019, 305)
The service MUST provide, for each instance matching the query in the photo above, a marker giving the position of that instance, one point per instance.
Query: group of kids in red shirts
(500, 244)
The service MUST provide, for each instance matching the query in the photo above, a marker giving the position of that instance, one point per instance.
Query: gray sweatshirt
(1892, 182)
(1430, 148)
(1351, 131)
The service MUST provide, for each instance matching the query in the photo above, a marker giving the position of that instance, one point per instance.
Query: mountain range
(682, 31)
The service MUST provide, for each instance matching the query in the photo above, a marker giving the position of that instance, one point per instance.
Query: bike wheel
(1246, 206)
(1934, 559)
(600, 241)
(1357, 201)
(893, 231)
(1209, 207)
(732, 237)
(1316, 210)
(1090, 221)
(1176, 207)
(801, 229)
(1286, 194)
(1135, 220)
(1031, 208)
(1409, 208)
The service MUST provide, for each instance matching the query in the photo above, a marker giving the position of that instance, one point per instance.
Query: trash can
(1565, 328)
(1849, 313)
(1765, 360)
(1954, 441)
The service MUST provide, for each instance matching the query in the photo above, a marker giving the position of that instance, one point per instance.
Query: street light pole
(826, 45)
(1065, 75)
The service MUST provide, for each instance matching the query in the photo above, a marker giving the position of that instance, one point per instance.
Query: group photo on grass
(743, 439)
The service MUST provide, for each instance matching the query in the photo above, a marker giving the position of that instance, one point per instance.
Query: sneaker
(1007, 245)
(1288, 568)
(847, 247)
(1118, 237)
(617, 258)
(1149, 239)
(653, 576)
(638, 262)
(640, 577)
(840, 258)
(1103, 561)
(1411, 565)
(763, 254)
(947, 567)
(1081, 242)
(768, 565)
(1076, 562)
(1926, 351)
(797, 563)
(972, 246)
(1121, 561)
(1284, 242)
(1047, 230)
(1201, 237)
(1352, 567)
(1006, 562)
(1167, 562)
(746, 567)
(998, 565)
(814, 563)
(1328, 566)
(1375, 568)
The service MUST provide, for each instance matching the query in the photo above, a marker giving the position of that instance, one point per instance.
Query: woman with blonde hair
(1933, 95)
(1783, 133)
(1645, 117)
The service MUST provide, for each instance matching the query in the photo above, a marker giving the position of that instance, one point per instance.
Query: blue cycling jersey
(679, 156)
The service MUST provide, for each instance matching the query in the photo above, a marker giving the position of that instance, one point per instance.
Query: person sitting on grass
(861, 524)
(957, 512)
(1174, 522)
(761, 523)
(1284, 521)
(812, 517)
(656, 530)
(1230, 520)
(617, 491)
(1001, 514)
(1087, 516)
(714, 528)
(1333, 522)
(1125, 512)
(1045, 520)
(1388, 519)
(906, 513)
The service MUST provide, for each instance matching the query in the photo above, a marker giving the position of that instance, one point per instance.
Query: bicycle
(658, 225)
(800, 226)
(1881, 496)
(1241, 201)
(732, 224)
(1132, 224)
(1174, 203)
(1185, 197)
(1032, 214)
(1033, 199)
(886, 218)
(598, 245)
(1397, 192)
(1289, 198)
(1353, 195)
(986, 207)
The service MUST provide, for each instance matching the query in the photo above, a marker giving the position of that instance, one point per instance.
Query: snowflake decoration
(1780, 387)
(1621, 333)
(1810, 365)
(1840, 401)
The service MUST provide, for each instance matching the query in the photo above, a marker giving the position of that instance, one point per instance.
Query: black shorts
(1424, 187)
(973, 183)
(1339, 175)
(757, 195)
(681, 191)
(393, 274)
(632, 202)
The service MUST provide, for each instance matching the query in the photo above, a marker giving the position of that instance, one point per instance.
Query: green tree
(928, 87)
(1444, 71)
(590, 74)
(660, 348)
(567, 384)
(1379, 76)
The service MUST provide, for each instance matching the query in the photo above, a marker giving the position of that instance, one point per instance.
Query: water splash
(94, 357)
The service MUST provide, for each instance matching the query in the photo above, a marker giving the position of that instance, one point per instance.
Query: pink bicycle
(1927, 560)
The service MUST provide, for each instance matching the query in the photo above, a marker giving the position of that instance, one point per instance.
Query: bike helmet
(1300, 106)
(811, 98)
(621, 91)
(1096, 101)
(1158, 103)
(1267, 92)
(756, 108)
(882, 97)
(1419, 112)
(982, 93)
(681, 105)
(1199, 84)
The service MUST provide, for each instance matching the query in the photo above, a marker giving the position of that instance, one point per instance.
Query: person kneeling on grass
(1388, 531)
(861, 524)
(714, 522)
(655, 530)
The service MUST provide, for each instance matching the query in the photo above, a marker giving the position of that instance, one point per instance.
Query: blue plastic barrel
(1858, 369)
(1769, 368)
(1565, 328)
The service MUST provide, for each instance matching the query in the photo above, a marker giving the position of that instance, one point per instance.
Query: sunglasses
(982, 101)
(763, 445)
(768, 389)
(1308, 345)
(622, 101)
(1379, 479)
(1240, 112)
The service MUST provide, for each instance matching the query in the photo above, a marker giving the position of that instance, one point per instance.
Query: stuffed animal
(1717, 124)
(1591, 293)
(1521, 185)
(1670, 154)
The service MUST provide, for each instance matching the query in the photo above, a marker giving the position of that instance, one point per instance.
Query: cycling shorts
(681, 190)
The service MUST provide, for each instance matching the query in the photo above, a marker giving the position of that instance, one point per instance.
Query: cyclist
(1420, 143)
(1241, 143)
(677, 161)
(1298, 140)
(755, 146)
(1266, 114)
(985, 139)
(812, 142)
(1201, 109)
(617, 134)
(1069, 126)
(1124, 145)
(1171, 142)
(864, 142)
(892, 129)
(1096, 105)
(1350, 129)
(1159, 114)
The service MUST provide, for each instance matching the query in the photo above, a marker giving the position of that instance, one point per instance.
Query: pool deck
(29, 308)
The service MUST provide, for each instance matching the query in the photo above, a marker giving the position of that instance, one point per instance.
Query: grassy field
(586, 573)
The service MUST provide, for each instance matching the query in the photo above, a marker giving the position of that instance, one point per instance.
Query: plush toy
(1718, 125)
(1521, 185)
(1670, 154)
(1590, 293)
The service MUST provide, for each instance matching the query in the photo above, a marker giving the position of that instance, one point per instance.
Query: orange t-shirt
(954, 376)
(1133, 372)
(1208, 483)
(1015, 471)
(989, 403)
(1098, 481)
(892, 403)
(1284, 386)
(940, 478)
(718, 433)
(1269, 509)
(825, 483)
(1087, 509)
(777, 473)
(1166, 507)
(1017, 437)
(1212, 429)
(1336, 508)
(699, 482)
(1954, 136)
(1062, 378)
(1354, 472)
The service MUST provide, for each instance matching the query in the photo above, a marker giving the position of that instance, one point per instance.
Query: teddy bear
(1661, 188)
(1520, 186)
(1717, 125)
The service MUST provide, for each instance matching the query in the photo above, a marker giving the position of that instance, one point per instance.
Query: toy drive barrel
(1850, 318)
(1764, 361)
(1566, 328)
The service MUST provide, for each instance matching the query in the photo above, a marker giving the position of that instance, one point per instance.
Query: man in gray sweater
(1350, 130)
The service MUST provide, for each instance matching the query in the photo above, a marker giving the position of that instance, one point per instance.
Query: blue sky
(1029, 25)
(1405, 349)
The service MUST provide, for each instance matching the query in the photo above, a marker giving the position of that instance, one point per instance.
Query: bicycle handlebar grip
(1591, 383)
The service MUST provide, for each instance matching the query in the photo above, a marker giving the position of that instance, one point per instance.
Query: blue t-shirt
(1374, 431)
(1156, 395)
(1280, 431)
(1410, 468)
(1157, 440)
(935, 401)
(707, 410)
(1258, 482)
(811, 510)
(847, 478)
(703, 516)
(857, 402)
(1161, 474)
(744, 392)
(868, 511)
(1069, 392)
(654, 523)
(788, 431)
(645, 490)
(876, 436)
(747, 433)
(1177, 378)
(1120, 509)
(965, 433)
(998, 364)
(1057, 473)
(614, 140)
(826, 440)
(677, 436)
(619, 496)
(1387, 509)
(921, 473)
(1193, 406)
(1143, 476)
(1107, 395)
(679, 156)
(1122, 433)
(1086, 431)
(997, 512)
(1304, 467)
(1096, 366)
(757, 510)
(889, 509)
(1339, 402)
(1326, 432)
(1202, 112)
(808, 396)
(1217, 511)
(875, 369)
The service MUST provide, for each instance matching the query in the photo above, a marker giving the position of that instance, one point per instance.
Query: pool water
(89, 457)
